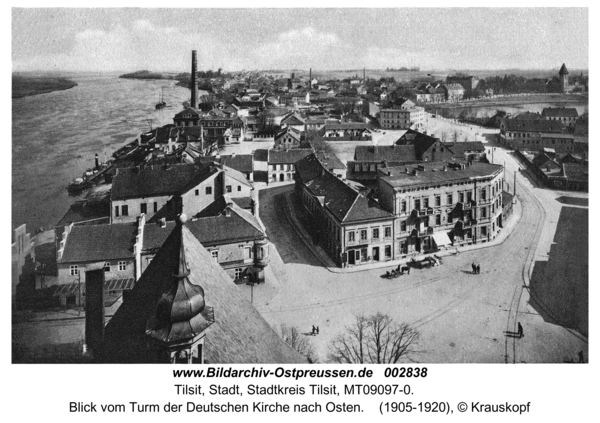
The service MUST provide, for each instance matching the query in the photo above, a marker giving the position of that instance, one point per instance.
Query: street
(462, 317)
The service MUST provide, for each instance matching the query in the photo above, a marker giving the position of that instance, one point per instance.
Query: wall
(65, 277)
(134, 206)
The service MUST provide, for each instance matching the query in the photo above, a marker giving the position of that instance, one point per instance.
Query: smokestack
(310, 77)
(97, 161)
(94, 309)
(194, 84)
(364, 75)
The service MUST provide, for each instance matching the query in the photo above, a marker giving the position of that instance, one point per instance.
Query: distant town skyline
(107, 40)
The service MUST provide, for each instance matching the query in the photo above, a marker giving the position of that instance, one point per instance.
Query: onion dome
(181, 313)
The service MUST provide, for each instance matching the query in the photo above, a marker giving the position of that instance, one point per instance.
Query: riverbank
(511, 100)
(23, 86)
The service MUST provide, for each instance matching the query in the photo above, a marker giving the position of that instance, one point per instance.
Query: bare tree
(374, 339)
(298, 341)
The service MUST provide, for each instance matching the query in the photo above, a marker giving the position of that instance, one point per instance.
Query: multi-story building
(566, 115)
(437, 204)
(469, 83)
(453, 92)
(165, 191)
(351, 228)
(401, 114)
(282, 163)
(536, 135)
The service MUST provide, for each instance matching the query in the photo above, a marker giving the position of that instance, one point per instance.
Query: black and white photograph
(299, 185)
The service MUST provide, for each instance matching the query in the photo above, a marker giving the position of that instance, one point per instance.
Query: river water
(55, 137)
(512, 109)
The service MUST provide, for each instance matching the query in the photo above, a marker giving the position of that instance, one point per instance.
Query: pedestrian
(474, 268)
(478, 269)
(317, 330)
(580, 354)
(313, 330)
(520, 329)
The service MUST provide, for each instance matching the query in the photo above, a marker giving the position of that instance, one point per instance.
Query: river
(512, 109)
(55, 137)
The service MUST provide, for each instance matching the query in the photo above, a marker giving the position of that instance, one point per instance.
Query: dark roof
(239, 226)
(576, 172)
(155, 236)
(388, 153)
(517, 125)
(261, 155)
(239, 334)
(159, 180)
(329, 160)
(309, 168)
(422, 142)
(95, 243)
(188, 111)
(570, 112)
(433, 173)
(344, 202)
(563, 70)
(245, 203)
(240, 162)
(541, 159)
(289, 156)
(461, 148)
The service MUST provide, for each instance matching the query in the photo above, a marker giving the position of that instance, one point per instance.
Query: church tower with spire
(563, 75)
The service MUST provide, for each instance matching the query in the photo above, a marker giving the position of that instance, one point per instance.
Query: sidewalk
(330, 265)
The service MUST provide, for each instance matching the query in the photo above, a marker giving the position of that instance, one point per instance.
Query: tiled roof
(158, 180)
(569, 112)
(454, 87)
(329, 160)
(239, 334)
(237, 176)
(155, 236)
(261, 155)
(93, 243)
(420, 141)
(380, 153)
(289, 156)
(517, 125)
(188, 111)
(309, 168)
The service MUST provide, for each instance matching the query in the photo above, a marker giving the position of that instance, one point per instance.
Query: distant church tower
(563, 75)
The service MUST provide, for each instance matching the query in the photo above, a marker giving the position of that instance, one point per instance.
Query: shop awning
(441, 239)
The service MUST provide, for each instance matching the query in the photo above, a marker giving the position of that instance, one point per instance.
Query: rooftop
(434, 173)
(388, 153)
(288, 156)
(569, 112)
(94, 243)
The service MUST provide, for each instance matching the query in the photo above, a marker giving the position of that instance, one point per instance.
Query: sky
(61, 39)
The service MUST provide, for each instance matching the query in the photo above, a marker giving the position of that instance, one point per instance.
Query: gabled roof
(239, 334)
(543, 159)
(240, 162)
(309, 167)
(261, 155)
(287, 156)
(345, 126)
(159, 180)
(329, 160)
(576, 172)
(420, 141)
(212, 226)
(292, 120)
(569, 112)
(188, 111)
(388, 153)
(95, 243)
(237, 176)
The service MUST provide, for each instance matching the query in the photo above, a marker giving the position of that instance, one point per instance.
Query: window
(74, 270)
(483, 212)
(144, 208)
(239, 188)
(403, 226)
(461, 197)
(247, 252)
(116, 211)
(350, 236)
(388, 251)
(426, 202)
(438, 200)
(208, 190)
(125, 210)
(363, 234)
(228, 188)
(215, 254)
(469, 195)
(449, 198)
(155, 207)
(484, 231)
(388, 231)
(376, 233)
(438, 219)
(197, 192)
(122, 266)
(483, 194)
(404, 205)
(238, 273)
(107, 267)
(418, 204)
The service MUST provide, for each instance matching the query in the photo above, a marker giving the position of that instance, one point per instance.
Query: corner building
(441, 204)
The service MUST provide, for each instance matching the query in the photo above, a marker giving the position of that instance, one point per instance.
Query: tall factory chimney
(194, 84)
(364, 75)
(310, 77)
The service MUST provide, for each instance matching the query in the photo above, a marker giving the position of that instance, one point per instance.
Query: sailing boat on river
(161, 103)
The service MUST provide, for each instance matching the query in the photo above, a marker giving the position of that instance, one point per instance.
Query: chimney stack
(97, 161)
(94, 309)
(194, 84)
